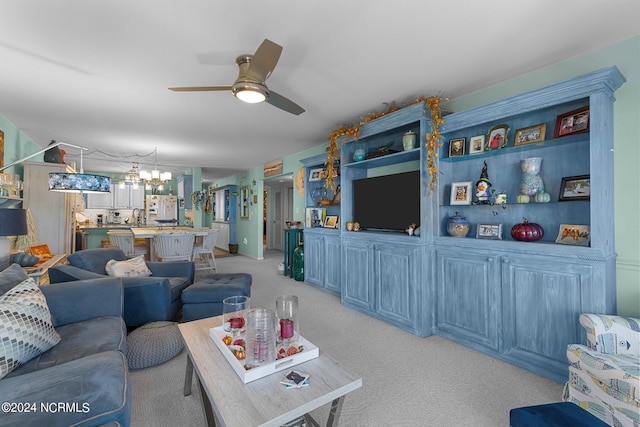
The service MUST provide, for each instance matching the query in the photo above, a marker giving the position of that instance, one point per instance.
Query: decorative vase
(261, 336)
(457, 226)
(409, 140)
(531, 183)
(288, 321)
(359, 155)
(298, 263)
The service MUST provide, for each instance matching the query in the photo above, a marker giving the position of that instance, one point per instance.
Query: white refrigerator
(161, 208)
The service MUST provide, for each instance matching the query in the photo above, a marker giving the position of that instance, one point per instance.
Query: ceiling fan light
(250, 96)
(250, 92)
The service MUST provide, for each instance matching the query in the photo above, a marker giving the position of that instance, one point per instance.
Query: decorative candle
(286, 328)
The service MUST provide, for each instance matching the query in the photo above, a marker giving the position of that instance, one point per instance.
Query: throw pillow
(11, 276)
(134, 267)
(25, 326)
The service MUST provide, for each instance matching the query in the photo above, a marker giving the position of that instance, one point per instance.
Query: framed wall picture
(316, 174)
(489, 231)
(244, 202)
(530, 135)
(331, 221)
(497, 137)
(575, 188)
(476, 144)
(573, 122)
(457, 147)
(576, 235)
(461, 193)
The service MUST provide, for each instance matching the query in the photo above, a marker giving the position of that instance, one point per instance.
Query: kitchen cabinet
(119, 198)
(222, 241)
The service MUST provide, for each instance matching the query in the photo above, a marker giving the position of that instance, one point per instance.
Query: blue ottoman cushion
(204, 298)
(553, 415)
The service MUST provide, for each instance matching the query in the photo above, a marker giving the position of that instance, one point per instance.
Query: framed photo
(497, 137)
(457, 147)
(530, 135)
(331, 221)
(576, 235)
(461, 193)
(316, 174)
(573, 122)
(489, 231)
(476, 144)
(575, 188)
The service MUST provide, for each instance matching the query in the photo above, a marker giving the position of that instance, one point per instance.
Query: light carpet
(407, 380)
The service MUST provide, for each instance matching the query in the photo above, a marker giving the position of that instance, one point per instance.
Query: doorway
(278, 210)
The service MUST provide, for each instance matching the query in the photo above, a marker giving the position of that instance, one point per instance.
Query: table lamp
(13, 222)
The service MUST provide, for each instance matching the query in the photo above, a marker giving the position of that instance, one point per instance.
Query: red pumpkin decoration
(527, 231)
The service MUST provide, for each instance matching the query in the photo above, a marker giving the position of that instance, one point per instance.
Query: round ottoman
(153, 344)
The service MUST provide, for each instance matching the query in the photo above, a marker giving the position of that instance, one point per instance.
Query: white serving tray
(310, 352)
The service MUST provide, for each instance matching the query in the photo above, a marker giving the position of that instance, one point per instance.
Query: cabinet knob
(505, 260)
(489, 259)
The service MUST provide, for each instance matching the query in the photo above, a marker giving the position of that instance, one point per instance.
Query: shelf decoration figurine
(531, 183)
(483, 187)
(409, 140)
(457, 226)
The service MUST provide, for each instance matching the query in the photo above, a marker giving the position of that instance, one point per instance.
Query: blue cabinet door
(543, 298)
(397, 283)
(314, 259)
(468, 289)
(357, 270)
(333, 263)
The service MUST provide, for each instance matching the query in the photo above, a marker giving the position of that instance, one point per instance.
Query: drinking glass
(234, 313)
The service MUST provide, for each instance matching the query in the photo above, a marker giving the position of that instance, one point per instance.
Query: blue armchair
(146, 299)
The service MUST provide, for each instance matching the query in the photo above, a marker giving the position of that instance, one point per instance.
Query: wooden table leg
(188, 377)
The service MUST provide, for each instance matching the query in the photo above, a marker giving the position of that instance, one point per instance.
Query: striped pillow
(25, 326)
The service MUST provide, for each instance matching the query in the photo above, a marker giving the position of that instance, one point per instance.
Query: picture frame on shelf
(498, 137)
(489, 230)
(572, 122)
(331, 221)
(574, 235)
(530, 135)
(316, 174)
(476, 144)
(575, 188)
(461, 193)
(457, 147)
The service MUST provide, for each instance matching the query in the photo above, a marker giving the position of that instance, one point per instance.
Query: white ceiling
(96, 73)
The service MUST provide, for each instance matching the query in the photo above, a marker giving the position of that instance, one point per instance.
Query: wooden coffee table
(263, 402)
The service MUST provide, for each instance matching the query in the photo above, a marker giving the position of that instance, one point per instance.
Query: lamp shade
(77, 182)
(13, 222)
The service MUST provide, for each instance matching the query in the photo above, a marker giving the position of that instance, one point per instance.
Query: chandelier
(155, 178)
(132, 177)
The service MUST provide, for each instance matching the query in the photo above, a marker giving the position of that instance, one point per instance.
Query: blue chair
(146, 299)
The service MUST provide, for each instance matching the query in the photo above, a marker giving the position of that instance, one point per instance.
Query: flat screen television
(387, 203)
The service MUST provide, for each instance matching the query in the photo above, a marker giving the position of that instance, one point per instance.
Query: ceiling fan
(250, 85)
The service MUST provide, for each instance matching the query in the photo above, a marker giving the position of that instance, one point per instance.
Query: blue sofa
(86, 371)
(146, 299)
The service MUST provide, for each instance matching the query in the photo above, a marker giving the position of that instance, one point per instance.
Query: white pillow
(25, 326)
(134, 267)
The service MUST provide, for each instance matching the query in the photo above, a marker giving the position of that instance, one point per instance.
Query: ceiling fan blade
(199, 88)
(283, 103)
(264, 61)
